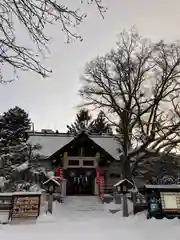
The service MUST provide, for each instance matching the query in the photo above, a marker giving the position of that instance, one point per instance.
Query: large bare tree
(137, 85)
(34, 15)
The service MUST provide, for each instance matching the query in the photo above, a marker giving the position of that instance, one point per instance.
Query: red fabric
(97, 175)
(60, 173)
(101, 185)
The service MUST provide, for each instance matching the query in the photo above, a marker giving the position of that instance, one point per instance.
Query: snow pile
(114, 208)
(111, 206)
(89, 225)
(22, 167)
(46, 218)
(50, 174)
(106, 226)
(35, 188)
(4, 216)
(2, 181)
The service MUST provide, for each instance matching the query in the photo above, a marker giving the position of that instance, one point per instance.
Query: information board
(170, 201)
(25, 206)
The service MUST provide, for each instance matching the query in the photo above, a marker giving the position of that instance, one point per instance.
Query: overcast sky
(51, 103)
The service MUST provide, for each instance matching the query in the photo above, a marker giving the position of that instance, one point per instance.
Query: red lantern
(97, 175)
(60, 173)
(101, 185)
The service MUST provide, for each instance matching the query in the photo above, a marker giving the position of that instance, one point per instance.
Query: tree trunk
(126, 168)
(126, 145)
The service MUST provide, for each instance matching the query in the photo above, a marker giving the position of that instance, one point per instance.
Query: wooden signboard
(170, 201)
(25, 206)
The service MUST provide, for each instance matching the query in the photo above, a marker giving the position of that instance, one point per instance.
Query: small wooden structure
(51, 185)
(163, 201)
(123, 186)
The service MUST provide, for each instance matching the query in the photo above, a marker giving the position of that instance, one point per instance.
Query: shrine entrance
(80, 181)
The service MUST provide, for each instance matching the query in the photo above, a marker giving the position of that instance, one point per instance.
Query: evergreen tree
(15, 123)
(17, 156)
(82, 122)
(100, 125)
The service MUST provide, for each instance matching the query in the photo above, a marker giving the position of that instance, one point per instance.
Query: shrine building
(79, 157)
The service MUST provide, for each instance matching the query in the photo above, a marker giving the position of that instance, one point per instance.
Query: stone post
(63, 188)
(125, 206)
(50, 203)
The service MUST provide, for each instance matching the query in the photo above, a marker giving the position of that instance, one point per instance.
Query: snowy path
(92, 225)
(80, 208)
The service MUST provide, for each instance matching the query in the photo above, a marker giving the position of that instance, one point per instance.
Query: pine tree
(100, 125)
(15, 124)
(17, 156)
(82, 122)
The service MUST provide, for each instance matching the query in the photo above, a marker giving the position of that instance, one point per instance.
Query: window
(73, 162)
(88, 163)
(114, 175)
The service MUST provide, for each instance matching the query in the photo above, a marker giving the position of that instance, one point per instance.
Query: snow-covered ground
(75, 223)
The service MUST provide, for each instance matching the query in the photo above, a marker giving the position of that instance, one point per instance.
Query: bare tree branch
(34, 16)
(138, 86)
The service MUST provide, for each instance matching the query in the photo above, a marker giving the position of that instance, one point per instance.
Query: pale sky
(51, 103)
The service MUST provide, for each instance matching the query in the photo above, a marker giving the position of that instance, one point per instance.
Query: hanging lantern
(101, 185)
(97, 175)
(60, 173)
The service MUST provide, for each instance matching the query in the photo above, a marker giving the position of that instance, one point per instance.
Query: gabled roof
(51, 143)
(53, 179)
(171, 186)
(122, 181)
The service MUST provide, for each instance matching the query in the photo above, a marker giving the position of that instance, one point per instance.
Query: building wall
(112, 173)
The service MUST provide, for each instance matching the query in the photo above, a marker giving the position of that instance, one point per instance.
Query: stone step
(83, 203)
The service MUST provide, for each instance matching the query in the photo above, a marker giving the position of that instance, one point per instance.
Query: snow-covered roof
(121, 181)
(51, 143)
(19, 193)
(53, 179)
(171, 186)
(109, 144)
